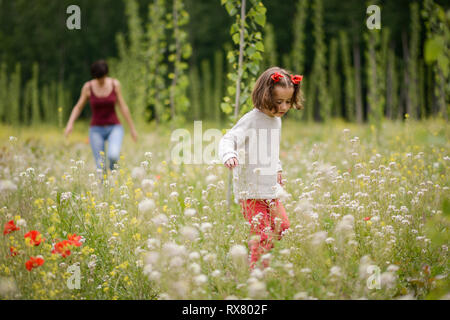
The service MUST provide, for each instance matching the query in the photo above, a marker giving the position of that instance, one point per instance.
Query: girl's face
(282, 98)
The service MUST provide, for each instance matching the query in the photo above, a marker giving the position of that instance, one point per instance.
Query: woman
(103, 92)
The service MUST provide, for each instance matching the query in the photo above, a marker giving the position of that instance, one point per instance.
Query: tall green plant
(334, 79)
(14, 95)
(298, 47)
(53, 97)
(349, 77)
(320, 83)
(195, 89)
(245, 32)
(437, 51)
(45, 103)
(157, 92)
(375, 79)
(3, 91)
(270, 58)
(35, 115)
(413, 63)
(179, 51)
(391, 85)
(206, 88)
(27, 108)
(60, 96)
(218, 84)
(130, 67)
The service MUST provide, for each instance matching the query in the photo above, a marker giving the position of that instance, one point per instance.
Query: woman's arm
(77, 109)
(124, 110)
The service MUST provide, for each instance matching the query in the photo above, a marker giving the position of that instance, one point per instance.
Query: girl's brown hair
(262, 95)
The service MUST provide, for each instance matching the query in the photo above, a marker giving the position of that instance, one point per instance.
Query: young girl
(246, 148)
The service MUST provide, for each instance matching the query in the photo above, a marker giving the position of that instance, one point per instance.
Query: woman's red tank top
(103, 110)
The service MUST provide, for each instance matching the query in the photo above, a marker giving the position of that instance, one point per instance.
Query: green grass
(403, 180)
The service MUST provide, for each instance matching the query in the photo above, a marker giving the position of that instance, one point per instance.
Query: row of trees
(344, 77)
(28, 103)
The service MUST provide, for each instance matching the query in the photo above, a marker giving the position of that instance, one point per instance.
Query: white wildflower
(392, 268)
(216, 273)
(151, 257)
(21, 223)
(153, 243)
(256, 288)
(7, 287)
(189, 233)
(147, 184)
(176, 262)
(160, 219)
(301, 296)
(194, 268)
(194, 255)
(305, 270)
(318, 238)
(154, 275)
(388, 279)
(138, 173)
(190, 212)
(335, 271)
(173, 195)
(238, 253)
(281, 193)
(200, 279)
(172, 249)
(205, 226)
(211, 178)
(146, 205)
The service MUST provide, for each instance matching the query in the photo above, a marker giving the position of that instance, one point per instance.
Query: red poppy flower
(34, 262)
(35, 237)
(158, 177)
(296, 79)
(276, 76)
(63, 248)
(10, 227)
(367, 218)
(13, 251)
(74, 239)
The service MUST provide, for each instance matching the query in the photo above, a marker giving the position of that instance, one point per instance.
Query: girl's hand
(280, 178)
(231, 163)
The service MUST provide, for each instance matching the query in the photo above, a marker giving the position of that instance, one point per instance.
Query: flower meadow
(369, 218)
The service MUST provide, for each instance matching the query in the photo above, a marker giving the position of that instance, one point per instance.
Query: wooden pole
(238, 88)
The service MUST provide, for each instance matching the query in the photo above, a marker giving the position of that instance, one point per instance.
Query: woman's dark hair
(99, 69)
(263, 90)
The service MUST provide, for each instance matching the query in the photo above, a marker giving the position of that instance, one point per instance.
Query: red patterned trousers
(268, 220)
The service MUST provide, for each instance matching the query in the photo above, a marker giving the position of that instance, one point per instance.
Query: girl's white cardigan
(255, 142)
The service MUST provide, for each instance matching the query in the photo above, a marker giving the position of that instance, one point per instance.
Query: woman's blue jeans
(98, 135)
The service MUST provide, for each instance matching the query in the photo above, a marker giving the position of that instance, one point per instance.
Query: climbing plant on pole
(179, 51)
(156, 68)
(437, 51)
(246, 33)
(318, 88)
(298, 46)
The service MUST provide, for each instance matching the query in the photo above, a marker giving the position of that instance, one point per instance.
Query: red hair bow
(276, 76)
(296, 79)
